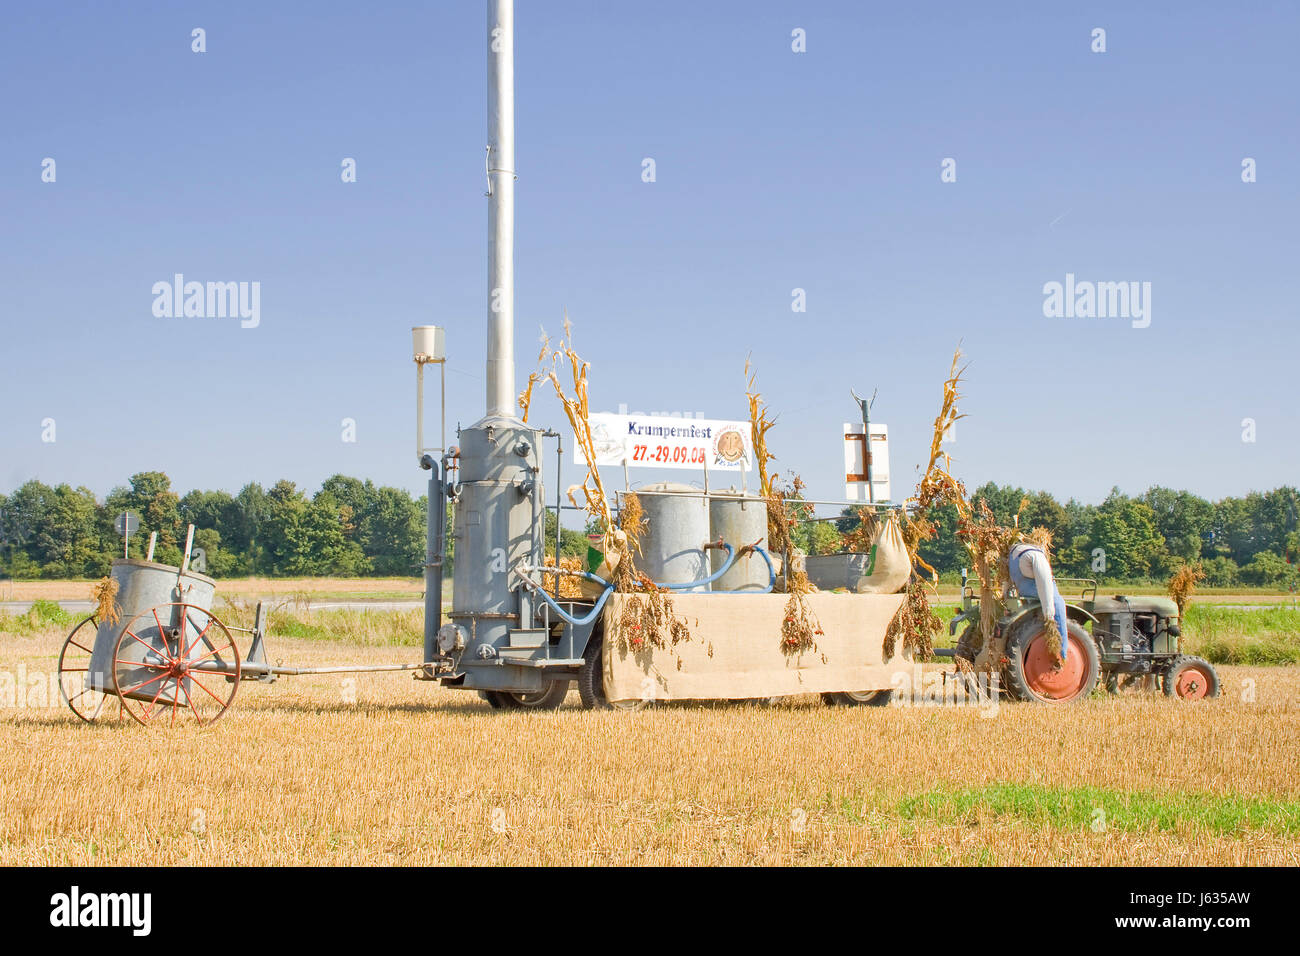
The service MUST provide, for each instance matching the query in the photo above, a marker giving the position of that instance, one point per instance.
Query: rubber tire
(591, 678)
(549, 699)
(1014, 671)
(1178, 663)
(863, 698)
(494, 699)
(967, 637)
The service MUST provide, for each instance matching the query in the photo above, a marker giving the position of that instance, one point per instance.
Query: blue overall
(1027, 587)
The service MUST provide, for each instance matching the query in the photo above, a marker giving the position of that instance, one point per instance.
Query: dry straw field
(316, 770)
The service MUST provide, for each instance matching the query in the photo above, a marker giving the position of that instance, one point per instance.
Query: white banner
(669, 442)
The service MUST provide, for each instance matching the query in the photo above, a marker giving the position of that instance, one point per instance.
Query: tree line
(351, 527)
(1252, 540)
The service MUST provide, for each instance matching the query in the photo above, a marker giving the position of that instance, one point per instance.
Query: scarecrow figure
(1032, 575)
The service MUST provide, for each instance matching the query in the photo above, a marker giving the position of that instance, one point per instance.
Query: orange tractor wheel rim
(1192, 683)
(1049, 681)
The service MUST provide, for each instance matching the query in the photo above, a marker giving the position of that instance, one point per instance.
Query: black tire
(1020, 643)
(966, 643)
(591, 678)
(548, 699)
(859, 698)
(1185, 667)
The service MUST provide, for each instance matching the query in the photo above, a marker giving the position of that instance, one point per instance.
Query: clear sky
(775, 170)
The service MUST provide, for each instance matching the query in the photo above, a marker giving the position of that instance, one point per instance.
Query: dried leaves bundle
(569, 587)
(1183, 584)
(104, 593)
(861, 538)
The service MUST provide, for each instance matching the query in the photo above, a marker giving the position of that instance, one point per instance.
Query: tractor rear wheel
(1191, 678)
(859, 698)
(1033, 674)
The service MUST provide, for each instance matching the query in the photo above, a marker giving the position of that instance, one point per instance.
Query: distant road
(85, 607)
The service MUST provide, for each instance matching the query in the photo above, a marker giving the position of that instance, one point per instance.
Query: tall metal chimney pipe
(501, 209)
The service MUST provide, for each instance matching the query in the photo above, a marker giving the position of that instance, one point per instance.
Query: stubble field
(386, 770)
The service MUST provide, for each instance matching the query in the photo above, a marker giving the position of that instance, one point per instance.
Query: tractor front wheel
(1034, 674)
(1191, 678)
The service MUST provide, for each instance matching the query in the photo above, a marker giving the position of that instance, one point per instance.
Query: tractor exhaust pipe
(501, 209)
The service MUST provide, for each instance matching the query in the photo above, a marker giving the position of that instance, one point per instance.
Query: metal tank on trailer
(738, 520)
(676, 531)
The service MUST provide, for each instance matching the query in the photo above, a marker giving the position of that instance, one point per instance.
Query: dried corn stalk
(1183, 584)
(915, 623)
(578, 409)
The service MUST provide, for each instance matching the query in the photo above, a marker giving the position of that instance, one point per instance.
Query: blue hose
(591, 616)
(609, 588)
(726, 566)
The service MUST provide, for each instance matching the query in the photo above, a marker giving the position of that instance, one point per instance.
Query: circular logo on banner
(729, 446)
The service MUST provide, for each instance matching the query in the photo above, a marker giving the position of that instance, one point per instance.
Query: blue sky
(775, 171)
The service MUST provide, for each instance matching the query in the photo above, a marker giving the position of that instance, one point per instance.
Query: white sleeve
(1042, 574)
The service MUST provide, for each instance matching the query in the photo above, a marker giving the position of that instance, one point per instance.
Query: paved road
(85, 607)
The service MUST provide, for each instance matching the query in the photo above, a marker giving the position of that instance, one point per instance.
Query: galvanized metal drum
(152, 602)
(738, 521)
(676, 530)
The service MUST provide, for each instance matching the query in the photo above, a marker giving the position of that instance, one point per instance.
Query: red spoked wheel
(84, 697)
(176, 663)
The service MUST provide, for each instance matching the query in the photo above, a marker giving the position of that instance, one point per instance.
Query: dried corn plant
(915, 623)
(760, 424)
(799, 626)
(1183, 584)
(648, 619)
(861, 538)
(578, 409)
(526, 396)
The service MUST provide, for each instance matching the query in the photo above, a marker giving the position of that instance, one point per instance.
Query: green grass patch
(1073, 808)
(1228, 635)
(41, 616)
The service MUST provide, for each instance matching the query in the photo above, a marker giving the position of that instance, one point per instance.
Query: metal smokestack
(501, 209)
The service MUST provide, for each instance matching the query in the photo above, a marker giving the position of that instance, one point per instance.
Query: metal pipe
(434, 551)
(501, 208)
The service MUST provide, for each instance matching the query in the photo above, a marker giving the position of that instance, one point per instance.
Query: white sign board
(669, 442)
(855, 463)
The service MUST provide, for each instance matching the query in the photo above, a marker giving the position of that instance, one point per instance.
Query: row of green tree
(350, 527)
(1254, 540)
(347, 528)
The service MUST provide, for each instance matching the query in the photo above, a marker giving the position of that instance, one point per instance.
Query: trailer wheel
(591, 678)
(186, 668)
(1032, 674)
(74, 673)
(548, 699)
(859, 698)
(1191, 678)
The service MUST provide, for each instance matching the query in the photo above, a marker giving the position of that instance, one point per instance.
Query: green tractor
(1111, 640)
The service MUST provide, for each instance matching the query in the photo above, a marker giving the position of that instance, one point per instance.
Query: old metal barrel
(738, 521)
(142, 585)
(676, 530)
